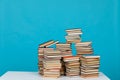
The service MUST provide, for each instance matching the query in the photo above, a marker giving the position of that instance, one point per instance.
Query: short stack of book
(52, 63)
(72, 65)
(65, 49)
(90, 66)
(84, 48)
(73, 35)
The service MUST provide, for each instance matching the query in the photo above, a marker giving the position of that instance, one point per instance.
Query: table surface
(21, 75)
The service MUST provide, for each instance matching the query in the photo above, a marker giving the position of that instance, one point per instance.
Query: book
(48, 43)
(53, 72)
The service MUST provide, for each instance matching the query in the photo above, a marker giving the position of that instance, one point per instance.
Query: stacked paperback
(41, 49)
(65, 49)
(90, 66)
(41, 58)
(72, 65)
(73, 35)
(84, 48)
(52, 63)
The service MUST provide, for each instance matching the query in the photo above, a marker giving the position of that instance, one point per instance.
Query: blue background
(26, 23)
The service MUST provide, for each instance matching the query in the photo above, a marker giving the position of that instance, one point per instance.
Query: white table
(19, 75)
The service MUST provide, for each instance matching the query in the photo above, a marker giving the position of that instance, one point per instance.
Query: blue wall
(26, 23)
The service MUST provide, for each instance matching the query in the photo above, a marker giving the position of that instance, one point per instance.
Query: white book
(90, 56)
(75, 34)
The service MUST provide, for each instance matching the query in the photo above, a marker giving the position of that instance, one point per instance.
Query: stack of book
(65, 49)
(52, 63)
(90, 66)
(44, 47)
(73, 35)
(41, 58)
(72, 65)
(84, 48)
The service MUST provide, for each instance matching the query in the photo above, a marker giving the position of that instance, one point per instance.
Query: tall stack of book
(84, 48)
(90, 66)
(72, 65)
(43, 47)
(41, 58)
(65, 49)
(73, 35)
(52, 63)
